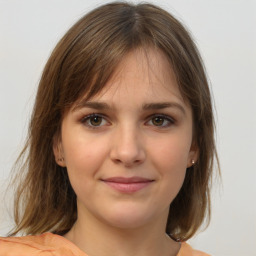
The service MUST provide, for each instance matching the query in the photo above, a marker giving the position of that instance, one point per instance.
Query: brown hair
(81, 64)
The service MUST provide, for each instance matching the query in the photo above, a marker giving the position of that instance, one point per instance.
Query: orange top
(49, 244)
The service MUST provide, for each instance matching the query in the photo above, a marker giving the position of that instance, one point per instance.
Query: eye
(161, 121)
(94, 120)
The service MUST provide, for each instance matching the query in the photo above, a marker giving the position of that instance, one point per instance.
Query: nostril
(117, 160)
(127, 149)
(127, 163)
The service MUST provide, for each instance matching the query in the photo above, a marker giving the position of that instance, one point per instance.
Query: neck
(98, 238)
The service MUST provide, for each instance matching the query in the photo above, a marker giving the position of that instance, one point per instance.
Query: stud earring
(193, 161)
(61, 159)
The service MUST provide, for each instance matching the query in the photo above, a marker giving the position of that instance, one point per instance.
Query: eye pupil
(95, 120)
(158, 121)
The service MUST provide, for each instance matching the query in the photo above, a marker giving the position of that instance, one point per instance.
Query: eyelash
(169, 119)
(86, 119)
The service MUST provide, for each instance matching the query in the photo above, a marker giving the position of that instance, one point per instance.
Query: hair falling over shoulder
(81, 64)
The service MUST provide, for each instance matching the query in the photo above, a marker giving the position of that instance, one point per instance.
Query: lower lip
(128, 187)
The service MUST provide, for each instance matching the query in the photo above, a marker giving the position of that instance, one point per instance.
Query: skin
(131, 135)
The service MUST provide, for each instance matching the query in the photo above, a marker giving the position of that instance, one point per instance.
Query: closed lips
(127, 185)
(128, 180)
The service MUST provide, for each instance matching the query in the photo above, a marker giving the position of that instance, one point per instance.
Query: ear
(193, 155)
(58, 151)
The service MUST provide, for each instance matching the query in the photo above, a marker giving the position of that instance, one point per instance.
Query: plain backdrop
(225, 32)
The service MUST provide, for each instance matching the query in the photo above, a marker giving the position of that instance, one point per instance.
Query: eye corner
(94, 121)
(161, 121)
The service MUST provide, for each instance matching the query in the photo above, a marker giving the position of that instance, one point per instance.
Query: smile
(127, 185)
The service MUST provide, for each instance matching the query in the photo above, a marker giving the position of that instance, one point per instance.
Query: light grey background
(225, 32)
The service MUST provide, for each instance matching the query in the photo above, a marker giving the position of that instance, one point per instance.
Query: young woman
(121, 142)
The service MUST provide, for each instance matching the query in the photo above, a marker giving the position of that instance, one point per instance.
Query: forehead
(142, 74)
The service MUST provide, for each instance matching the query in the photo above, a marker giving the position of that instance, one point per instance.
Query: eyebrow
(93, 105)
(163, 105)
(147, 106)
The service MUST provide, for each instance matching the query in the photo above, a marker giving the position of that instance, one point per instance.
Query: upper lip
(127, 180)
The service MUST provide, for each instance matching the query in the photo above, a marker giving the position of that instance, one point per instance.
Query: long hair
(81, 64)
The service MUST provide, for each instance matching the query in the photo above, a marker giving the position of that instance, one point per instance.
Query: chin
(128, 218)
(126, 223)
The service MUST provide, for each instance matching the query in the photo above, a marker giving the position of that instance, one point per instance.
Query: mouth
(128, 185)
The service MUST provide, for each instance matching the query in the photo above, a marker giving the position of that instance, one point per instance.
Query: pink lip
(127, 185)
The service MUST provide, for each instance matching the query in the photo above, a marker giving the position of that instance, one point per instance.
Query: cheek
(171, 153)
(83, 158)
(83, 161)
(170, 160)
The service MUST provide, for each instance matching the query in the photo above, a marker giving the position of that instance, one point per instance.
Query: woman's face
(127, 149)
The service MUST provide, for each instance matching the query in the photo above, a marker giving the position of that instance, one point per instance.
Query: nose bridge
(127, 146)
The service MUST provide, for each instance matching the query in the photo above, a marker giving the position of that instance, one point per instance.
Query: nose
(127, 147)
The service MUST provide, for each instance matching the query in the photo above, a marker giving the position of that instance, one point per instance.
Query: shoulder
(46, 244)
(187, 250)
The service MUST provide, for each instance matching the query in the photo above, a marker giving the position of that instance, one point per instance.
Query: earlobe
(58, 151)
(193, 156)
(191, 162)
